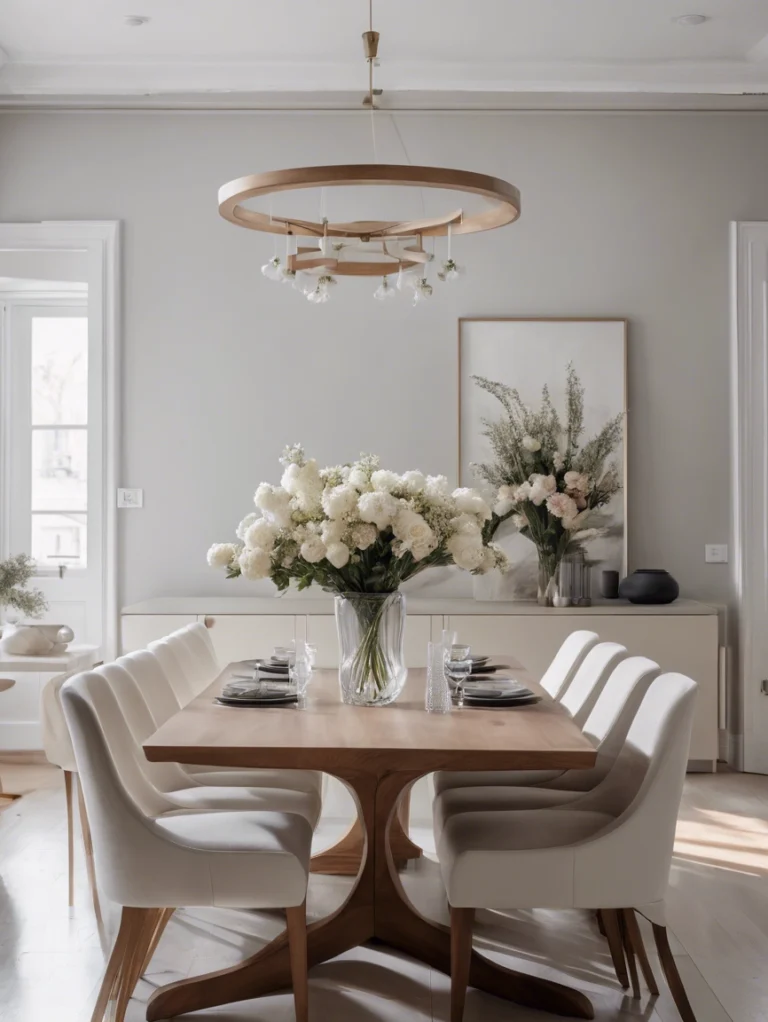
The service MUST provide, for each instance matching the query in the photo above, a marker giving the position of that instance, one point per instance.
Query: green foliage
(15, 574)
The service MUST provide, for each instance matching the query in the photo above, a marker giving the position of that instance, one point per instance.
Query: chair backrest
(610, 720)
(627, 864)
(560, 672)
(581, 695)
(194, 649)
(135, 864)
(174, 668)
(57, 744)
(147, 671)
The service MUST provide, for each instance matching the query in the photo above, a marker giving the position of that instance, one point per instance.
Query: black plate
(504, 702)
(278, 700)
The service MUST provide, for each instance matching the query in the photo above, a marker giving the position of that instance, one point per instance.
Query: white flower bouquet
(547, 482)
(358, 529)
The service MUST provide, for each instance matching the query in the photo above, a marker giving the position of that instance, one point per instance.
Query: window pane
(59, 539)
(59, 370)
(59, 469)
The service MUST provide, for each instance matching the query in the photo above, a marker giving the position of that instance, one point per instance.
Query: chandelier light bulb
(422, 290)
(449, 271)
(405, 279)
(384, 291)
(272, 269)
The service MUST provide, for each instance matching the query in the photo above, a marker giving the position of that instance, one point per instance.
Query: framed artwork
(528, 354)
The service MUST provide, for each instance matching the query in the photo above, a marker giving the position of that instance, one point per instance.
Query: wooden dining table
(378, 753)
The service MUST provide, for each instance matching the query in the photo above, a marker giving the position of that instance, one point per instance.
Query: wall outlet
(716, 553)
(130, 498)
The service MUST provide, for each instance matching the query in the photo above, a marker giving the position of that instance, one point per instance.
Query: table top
(327, 735)
(75, 657)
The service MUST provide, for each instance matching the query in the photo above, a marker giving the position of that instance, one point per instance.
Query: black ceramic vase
(649, 585)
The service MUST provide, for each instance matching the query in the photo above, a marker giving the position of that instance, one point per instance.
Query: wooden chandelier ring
(506, 198)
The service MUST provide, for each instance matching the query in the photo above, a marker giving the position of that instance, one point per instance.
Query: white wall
(623, 215)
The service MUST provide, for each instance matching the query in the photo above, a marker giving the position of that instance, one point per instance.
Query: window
(59, 448)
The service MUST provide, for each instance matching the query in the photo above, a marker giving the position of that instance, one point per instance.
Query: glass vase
(549, 566)
(371, 628)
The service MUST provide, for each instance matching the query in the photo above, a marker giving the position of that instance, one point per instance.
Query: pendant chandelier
(318, 252)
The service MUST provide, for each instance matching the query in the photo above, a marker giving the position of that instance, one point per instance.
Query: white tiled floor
(51, 961)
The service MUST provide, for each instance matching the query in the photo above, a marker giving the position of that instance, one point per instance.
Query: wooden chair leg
(629, 954)
(296, 918)
(636, 939)
(70, 836)
(88, 846)
(672, 976)
(615, 945)
(162, 921)
(462, 920)
(133, 924)
(133, 964)
(600, 923)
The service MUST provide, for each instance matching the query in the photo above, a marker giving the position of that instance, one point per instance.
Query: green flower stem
(369, 660)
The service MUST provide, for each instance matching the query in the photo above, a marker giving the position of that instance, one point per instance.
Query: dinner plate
(501, 702)
(283, 699)
(496, 691)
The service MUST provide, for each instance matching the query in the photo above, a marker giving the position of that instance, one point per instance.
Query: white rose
(313, 549)
(523, 492)
(423, 548)
(358, 479)
(255, 564)
(471, 502)
(414, 482)
(364, 536)
(541, 488)
(332, 531)
(338, 554)
(378, 508)
(531, 444)
(243, 527)
(466, 550)
(384, 481)
(339, 501)
(262, 534)
(576, 483)
(467, 525)
(410, 526)
(221, 555)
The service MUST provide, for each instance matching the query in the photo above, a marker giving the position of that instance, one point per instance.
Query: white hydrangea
(303, 482)
(436, 487)
(338, 554)
(221, 555)
(331, 531)
(413, 482)
(313, 549)
(531, 444)
(466, 524)
(339, 501)
(246, 523)
(414, 533)
(275, 502)
(255, 564)
(262, 534)
(471, 502)
(378, 508)
(505, 501)
(364, 535)
(384, 481)
(541, 488)
(359, 479)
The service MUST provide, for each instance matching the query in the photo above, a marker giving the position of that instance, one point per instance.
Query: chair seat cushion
(297, 780)
(514, 859)
(454, 801)
(248, 859)
(446, 779)
(219, 799)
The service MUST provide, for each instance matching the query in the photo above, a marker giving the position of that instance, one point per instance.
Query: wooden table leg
(343, 859)
(376, 907)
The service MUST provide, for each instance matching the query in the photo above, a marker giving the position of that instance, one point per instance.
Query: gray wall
(624, 215)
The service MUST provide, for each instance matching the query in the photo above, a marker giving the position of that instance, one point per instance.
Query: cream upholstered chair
(154, 685)
(610, 848)
(161, 788)
(153, 866)
(566, 662)
(606, 727)
(196, 657)
(58, 750)
(5, 684)
(578, 697)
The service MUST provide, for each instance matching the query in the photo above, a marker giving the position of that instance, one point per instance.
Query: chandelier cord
(408, 161)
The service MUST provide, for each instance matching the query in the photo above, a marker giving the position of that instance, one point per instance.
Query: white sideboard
(683, 636)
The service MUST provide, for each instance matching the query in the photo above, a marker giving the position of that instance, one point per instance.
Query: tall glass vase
(371, 629)
(549, 568)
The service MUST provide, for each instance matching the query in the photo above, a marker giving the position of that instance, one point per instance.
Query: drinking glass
(458, 667)
(437, 698)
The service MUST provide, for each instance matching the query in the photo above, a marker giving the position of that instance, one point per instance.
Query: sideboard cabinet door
(138, 630)
(245, 636)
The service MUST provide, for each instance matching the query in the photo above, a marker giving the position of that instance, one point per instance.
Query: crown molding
(67, 78)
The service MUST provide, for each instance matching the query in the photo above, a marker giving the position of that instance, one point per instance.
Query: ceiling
(308, 49)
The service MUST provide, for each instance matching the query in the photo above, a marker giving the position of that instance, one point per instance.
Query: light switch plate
(130, 498)
(716, 553)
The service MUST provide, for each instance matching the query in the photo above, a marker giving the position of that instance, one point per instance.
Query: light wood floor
(51, 961)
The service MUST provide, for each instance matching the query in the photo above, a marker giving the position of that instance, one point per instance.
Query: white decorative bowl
(35, 639)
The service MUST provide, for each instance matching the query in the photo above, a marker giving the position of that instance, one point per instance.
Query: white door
(53, 416)
(749, 703)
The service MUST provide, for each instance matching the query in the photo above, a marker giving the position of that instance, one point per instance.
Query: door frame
(100, 240)
(749, 428)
